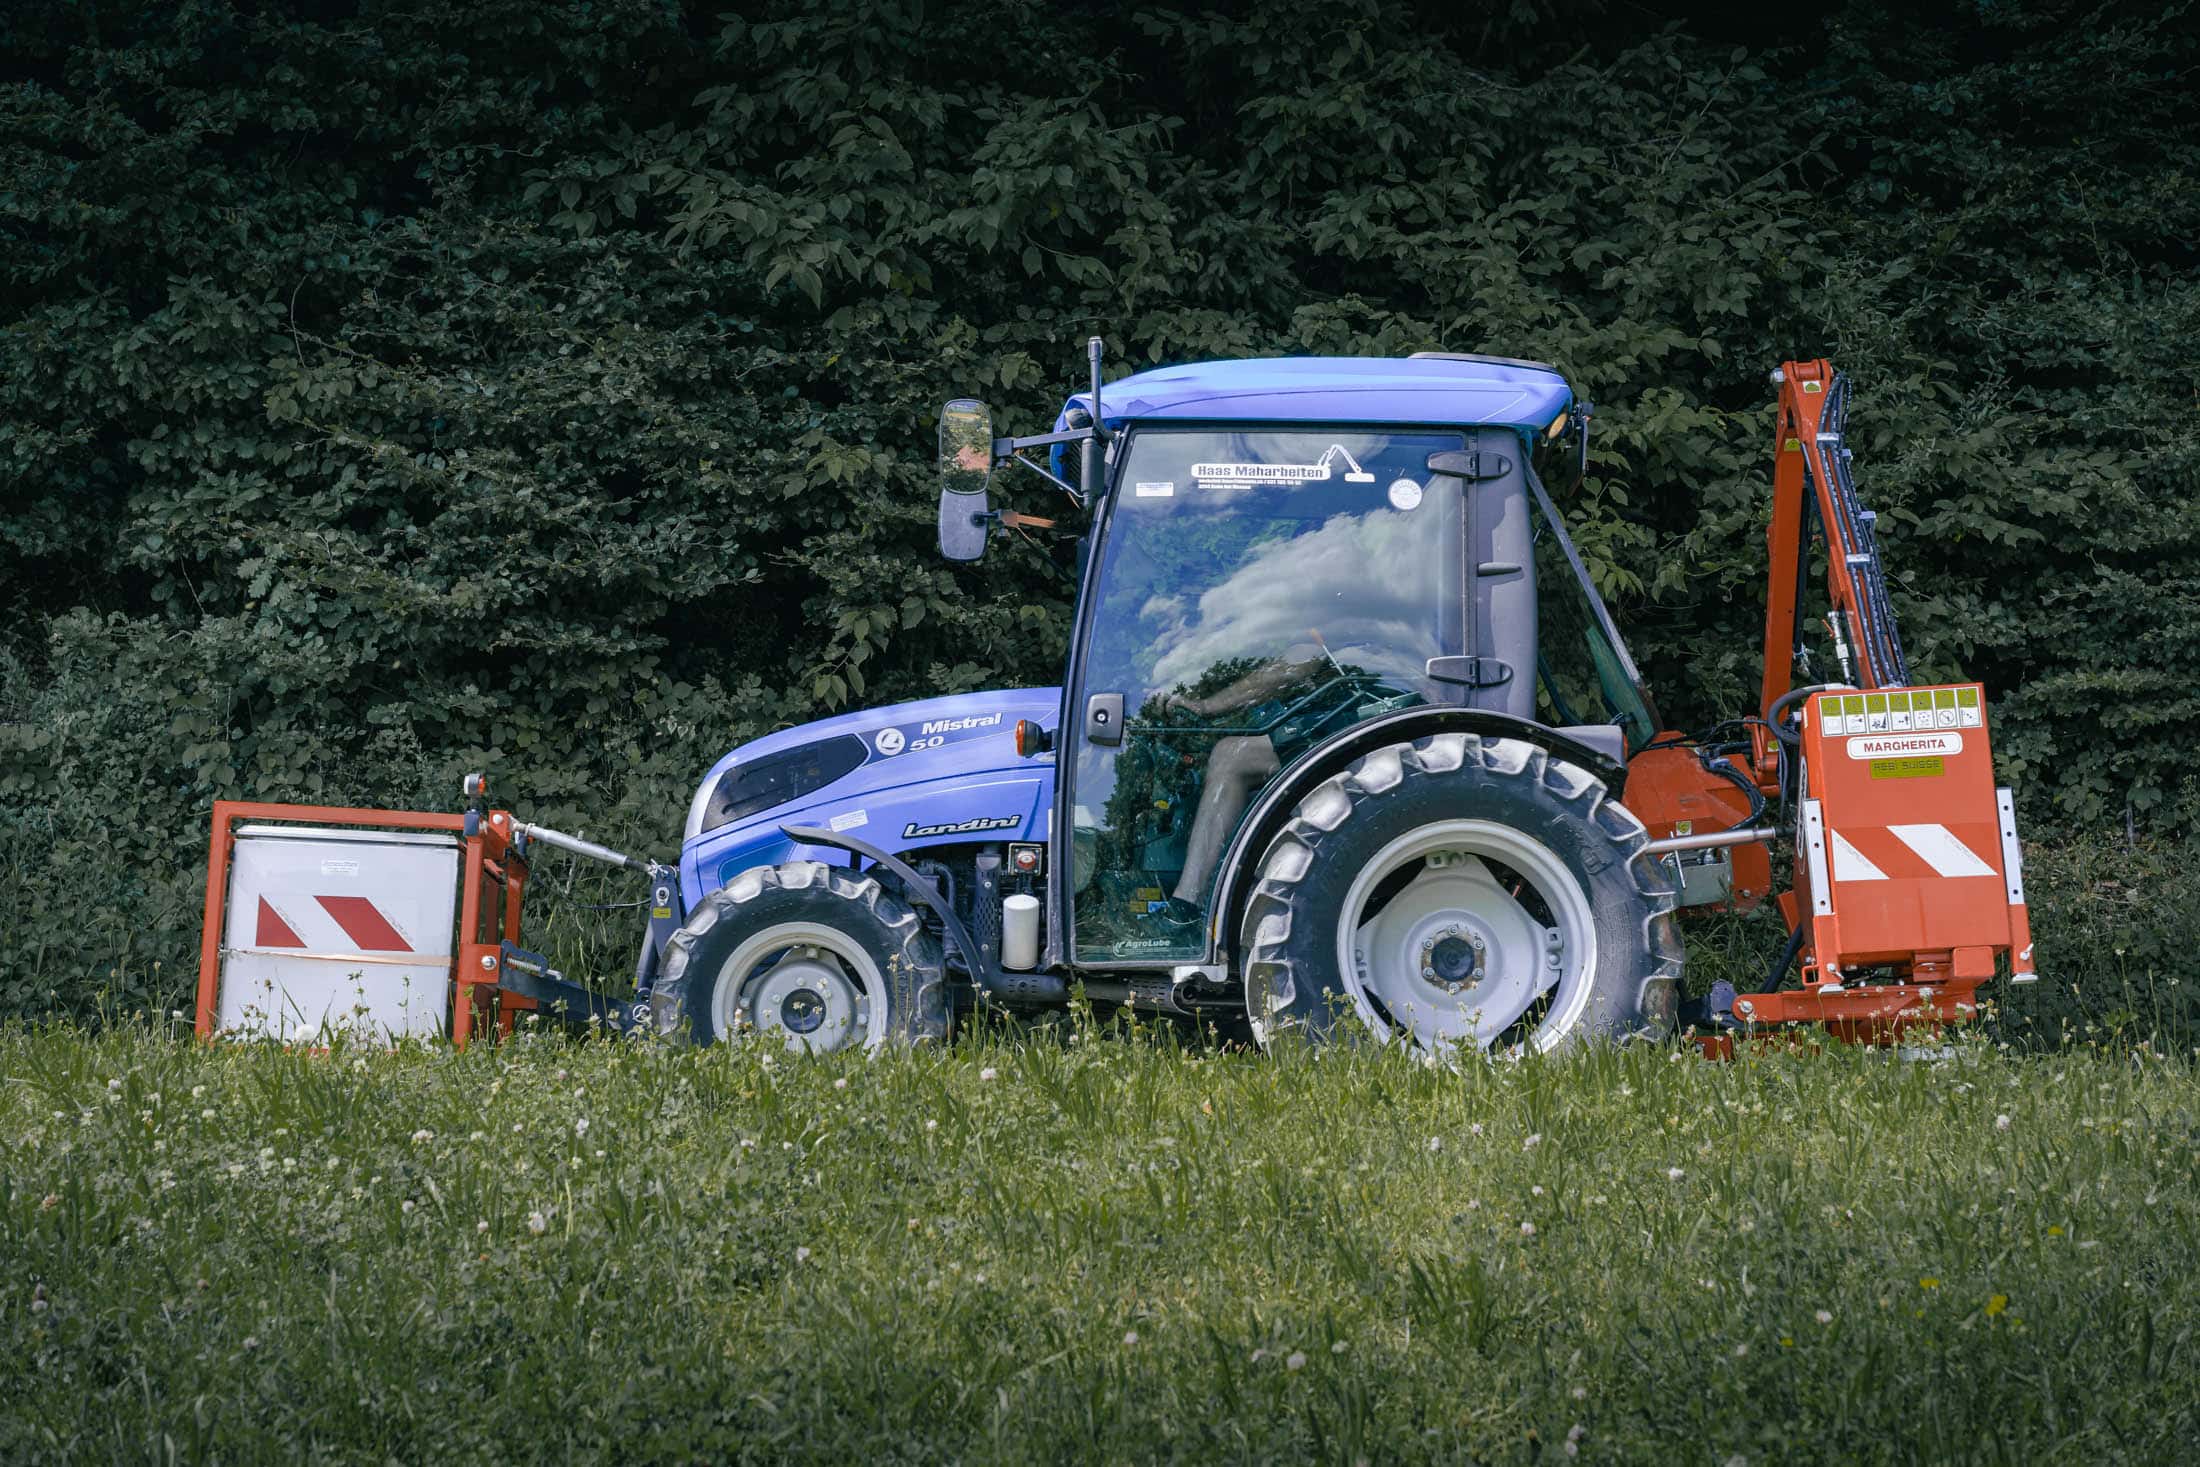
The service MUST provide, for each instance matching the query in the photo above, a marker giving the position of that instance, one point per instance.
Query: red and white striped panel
(328, 923)
(1911, 852)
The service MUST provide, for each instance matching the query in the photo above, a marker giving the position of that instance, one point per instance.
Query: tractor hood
(912, 774)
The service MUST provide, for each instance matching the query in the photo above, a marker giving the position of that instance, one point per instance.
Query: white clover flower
(252, 1342)
(1130, 1337)
(197, 1091)
(1535, 1191)
(1475, 1129)
(1436, 1143)
(1581, 1393)
(113, 1086)
(989, 1073)
(2001, 1123)
(1573, 1439)
(802, 1255)
(931, 1125)
(406, 1206)
(537, 1223)
(1823, 1317)
(482, 1226)
(580, 1127)
(1527, 1230)
(1674, 1174)
(841, 1083)
(1532, 1142)
(423, 1137)
(1336, 1347)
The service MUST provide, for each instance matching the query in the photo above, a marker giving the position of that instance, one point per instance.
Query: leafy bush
(547, 386)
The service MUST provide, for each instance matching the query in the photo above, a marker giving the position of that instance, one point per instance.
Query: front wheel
(1461, 892)
(812, 956)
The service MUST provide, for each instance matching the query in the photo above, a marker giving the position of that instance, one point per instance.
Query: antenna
(1092, 353)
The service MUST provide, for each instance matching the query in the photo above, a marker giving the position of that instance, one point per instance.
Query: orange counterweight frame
(492, 888)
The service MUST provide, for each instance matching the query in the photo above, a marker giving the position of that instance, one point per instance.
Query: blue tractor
(1341, 737)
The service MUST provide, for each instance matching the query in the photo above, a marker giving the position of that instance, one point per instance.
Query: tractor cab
(1280, 552)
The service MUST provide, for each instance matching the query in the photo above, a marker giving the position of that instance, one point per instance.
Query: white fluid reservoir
(1020, 932)
(339, 929)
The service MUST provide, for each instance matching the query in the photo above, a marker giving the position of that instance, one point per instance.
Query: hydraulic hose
(1774, 715)
(1779, 970)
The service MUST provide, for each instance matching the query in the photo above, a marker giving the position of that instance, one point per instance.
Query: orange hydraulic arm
(1811, 483)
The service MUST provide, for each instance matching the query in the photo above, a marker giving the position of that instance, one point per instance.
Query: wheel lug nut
(1428, 972)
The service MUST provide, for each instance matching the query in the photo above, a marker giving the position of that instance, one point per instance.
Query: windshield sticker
(1313, 473)
(1405, 494)
(1166, 489)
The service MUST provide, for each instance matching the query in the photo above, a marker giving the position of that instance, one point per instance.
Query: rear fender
(1241, 858)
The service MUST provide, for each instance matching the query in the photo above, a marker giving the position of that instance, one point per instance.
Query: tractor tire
(1462, 892)
(813, 955)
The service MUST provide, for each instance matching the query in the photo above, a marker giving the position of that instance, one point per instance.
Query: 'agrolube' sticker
(1405, 494)
(1164, 489)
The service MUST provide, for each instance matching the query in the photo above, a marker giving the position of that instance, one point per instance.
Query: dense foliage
(547, 385)
(1068, 1251)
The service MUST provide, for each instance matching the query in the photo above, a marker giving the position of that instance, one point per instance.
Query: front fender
(1234, 874)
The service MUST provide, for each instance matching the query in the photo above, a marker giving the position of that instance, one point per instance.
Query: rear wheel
(1462, 893)
(806, 955)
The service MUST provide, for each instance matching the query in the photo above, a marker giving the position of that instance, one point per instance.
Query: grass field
(1077, 1246)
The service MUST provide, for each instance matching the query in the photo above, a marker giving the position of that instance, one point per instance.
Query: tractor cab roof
(1440, 389)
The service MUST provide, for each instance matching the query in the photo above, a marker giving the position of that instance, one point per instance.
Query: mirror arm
(1005, 447)
(1017, 458)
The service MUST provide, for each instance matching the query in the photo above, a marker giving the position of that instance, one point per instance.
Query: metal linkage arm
(1811, 480)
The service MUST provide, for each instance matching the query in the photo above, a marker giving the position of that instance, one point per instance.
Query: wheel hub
(810, 997)
(1451, 959)
(801, 1011)
(1453, 956)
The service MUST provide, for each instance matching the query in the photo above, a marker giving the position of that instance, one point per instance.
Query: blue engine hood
(926, 769)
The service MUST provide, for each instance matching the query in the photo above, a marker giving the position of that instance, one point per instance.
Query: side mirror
(966, 466)
(1562, 452)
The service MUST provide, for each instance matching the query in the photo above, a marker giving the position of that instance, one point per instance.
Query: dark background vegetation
(547, 387)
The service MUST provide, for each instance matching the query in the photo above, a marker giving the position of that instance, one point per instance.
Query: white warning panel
(331, 929)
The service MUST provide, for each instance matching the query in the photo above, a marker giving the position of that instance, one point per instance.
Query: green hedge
(547, 386)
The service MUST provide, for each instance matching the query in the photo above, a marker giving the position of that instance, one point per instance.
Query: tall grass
(1058, 1246)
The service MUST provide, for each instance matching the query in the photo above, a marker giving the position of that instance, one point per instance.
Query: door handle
(1104, 719)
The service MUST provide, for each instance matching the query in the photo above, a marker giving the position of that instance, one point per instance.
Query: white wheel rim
(1490, 957)
(803, 984)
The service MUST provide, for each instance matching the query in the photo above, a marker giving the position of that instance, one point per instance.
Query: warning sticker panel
(1900, 710)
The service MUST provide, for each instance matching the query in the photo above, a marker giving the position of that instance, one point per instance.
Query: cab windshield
(1258, 591)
